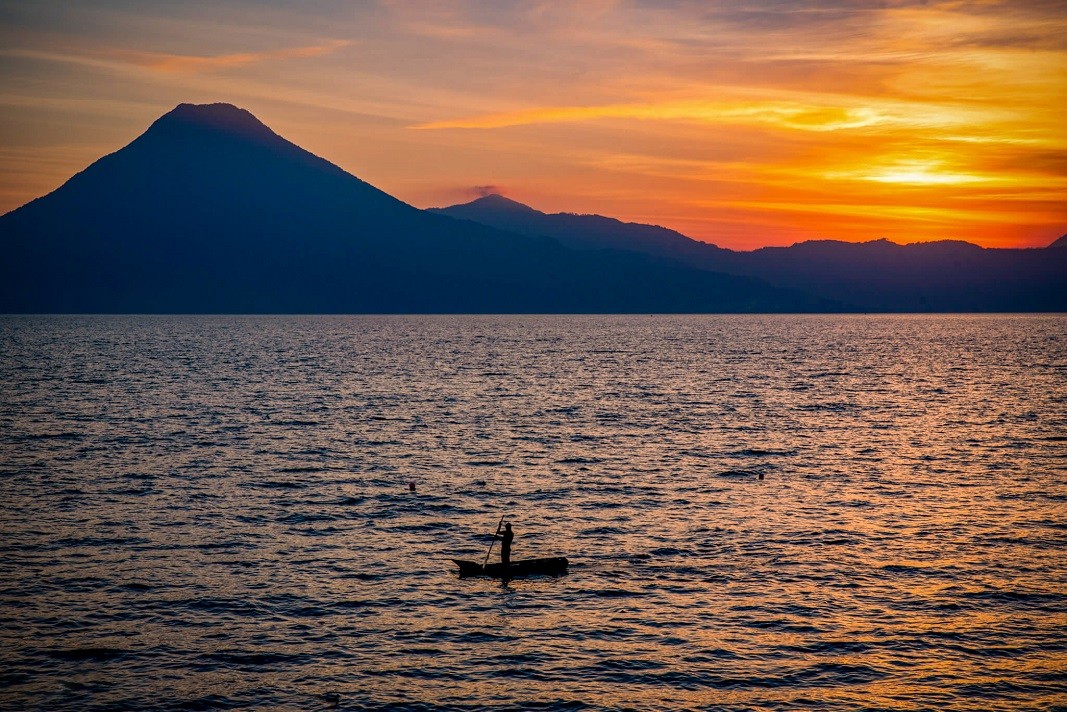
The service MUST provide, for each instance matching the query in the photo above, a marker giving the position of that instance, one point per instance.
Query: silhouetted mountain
(947, 276)
(878, 275)
(211, 211)
(1061, 241)
(583, 232)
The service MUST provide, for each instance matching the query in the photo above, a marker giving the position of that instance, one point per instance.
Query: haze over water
(212, 512)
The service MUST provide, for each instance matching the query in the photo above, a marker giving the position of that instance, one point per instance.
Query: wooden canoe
(555, 566)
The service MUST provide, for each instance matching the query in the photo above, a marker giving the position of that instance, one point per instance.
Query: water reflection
(215, 511)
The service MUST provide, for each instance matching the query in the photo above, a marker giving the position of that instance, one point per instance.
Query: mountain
(585, 232)
(1061, 241)
(210, 211)
(942, 276)
(878, 275)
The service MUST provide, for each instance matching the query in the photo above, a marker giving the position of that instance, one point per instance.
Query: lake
(214, 512)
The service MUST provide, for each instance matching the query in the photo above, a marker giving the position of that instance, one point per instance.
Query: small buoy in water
(411, 486)
(760, 476)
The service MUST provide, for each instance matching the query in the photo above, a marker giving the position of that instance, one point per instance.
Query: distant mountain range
(209, 211)
(879, 275)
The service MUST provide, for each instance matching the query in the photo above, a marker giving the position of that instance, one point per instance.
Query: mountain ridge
(578, 231)
(501, 202)
(210, 211)
(876, 275)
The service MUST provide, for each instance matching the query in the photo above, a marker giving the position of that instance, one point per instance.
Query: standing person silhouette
(505, 545)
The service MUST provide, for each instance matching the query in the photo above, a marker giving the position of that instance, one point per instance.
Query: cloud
(820, 115)
(481, 191)
(192, 64)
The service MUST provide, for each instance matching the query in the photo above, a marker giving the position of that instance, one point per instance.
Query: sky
(743, 124)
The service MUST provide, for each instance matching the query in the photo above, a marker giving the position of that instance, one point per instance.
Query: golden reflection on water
(255, 538)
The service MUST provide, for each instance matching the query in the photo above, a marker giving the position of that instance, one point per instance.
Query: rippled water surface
(213, 513)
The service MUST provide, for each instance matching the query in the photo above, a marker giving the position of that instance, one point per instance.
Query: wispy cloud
(192, 64)
(481, 191)
(827, 115)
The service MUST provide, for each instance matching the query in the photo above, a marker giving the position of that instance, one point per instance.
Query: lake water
(213, 512)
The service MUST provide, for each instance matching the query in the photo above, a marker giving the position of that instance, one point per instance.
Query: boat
(553, 566)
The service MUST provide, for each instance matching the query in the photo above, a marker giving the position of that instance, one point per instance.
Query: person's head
(508, 526)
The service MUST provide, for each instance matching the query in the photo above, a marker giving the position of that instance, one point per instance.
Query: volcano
(210, 211)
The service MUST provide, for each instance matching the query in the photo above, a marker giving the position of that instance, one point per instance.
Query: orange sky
(741, 124)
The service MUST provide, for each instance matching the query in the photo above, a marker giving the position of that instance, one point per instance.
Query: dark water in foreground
(212, 513)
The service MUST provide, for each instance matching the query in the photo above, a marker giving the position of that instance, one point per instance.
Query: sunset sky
(742, 124)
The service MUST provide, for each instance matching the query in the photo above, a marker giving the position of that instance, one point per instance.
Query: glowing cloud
(793, 115)
(190, 64)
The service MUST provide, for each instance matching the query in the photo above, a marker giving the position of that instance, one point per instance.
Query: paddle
(498, 525)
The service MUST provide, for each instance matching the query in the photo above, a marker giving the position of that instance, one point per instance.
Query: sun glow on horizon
(915, 172)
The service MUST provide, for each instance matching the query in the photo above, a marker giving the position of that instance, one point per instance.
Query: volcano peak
(219, 117)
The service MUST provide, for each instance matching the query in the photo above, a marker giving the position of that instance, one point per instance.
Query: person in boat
(505, 544)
